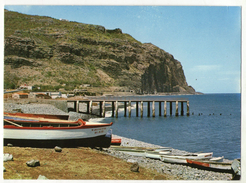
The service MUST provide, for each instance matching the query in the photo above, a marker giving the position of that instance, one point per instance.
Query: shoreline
(182, 171)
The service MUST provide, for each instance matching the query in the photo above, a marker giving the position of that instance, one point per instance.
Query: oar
(12, 123)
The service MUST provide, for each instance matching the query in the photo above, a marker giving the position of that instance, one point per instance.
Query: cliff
(50, 52)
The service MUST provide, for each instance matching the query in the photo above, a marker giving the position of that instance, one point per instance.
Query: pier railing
(128, 104)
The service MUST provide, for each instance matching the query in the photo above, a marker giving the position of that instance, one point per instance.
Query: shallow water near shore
(214, 125)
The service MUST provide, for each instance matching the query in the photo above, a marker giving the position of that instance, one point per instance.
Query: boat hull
(99, 141)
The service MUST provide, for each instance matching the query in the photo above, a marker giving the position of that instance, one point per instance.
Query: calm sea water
(214, 125)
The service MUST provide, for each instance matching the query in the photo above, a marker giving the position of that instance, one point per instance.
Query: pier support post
(182, 108)
(74, 106)
(116, 109)
(159, 108)
(137, 109)
(148, 109)
(171, 108)
(153, 109)
(165, 108)
(100, 109)
(177, 108)
(129, 109)
(103, 109)
(188, 108)
(90, 107)
(125, 109)
(77, 106)
(112, 109)
(141, 108)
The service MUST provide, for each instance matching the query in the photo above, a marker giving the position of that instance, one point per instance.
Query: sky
(205, 39)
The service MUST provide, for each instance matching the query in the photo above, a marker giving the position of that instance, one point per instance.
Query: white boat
(156, 154)
(35, 132)
(182, 158)
(211, 165)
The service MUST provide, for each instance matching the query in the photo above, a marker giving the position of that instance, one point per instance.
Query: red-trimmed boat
(30, 115)
(116, 141)
(47, 132)
(210, 165)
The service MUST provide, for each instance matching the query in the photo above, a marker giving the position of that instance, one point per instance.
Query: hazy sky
(205, 39)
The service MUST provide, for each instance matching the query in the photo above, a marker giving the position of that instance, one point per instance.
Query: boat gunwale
(82, 125)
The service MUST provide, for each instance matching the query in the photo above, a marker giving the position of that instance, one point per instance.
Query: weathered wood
(148, 109)
(125, 108)
(116, 109)
(141, 108)
(188, 108)
(103, 109)
(153, 109)
(171, 109)
(177, 108)
(112, 109)
(137, 109)
(90, 107)
(129, 108)
(165, 108)
(77, 106)
(182, 108)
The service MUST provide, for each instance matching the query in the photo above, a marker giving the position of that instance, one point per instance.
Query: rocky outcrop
(126, 62)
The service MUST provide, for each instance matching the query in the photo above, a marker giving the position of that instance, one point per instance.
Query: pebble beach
(181, 172)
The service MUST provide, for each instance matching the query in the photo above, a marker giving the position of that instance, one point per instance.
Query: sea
(214, 124)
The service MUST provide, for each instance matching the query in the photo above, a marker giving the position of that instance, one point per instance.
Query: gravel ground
(182, 172)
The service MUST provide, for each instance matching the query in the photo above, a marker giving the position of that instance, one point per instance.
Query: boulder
(58, 149)
(42, 177)
(33, 163)
(10, 145)
(135, 167)
(131, 161)
(7, 157)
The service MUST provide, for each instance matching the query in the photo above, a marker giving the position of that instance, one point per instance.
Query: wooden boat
(36, 132)
(143, 151)
(181, 159)
(157, 154)
(30, 115)
(211, 165)
(116, 141)
(129, 148)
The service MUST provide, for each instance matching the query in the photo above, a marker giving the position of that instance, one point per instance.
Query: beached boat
(181, 159)
(116, 141)
(157, 154)
(143, 151)
(30, 115)
(211, 165)
(36, 132)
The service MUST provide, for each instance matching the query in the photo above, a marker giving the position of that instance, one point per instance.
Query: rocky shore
(181, 172)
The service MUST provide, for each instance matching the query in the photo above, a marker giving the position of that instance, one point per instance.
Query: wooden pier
(128, 104)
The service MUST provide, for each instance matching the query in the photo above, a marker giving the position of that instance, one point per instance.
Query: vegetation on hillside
(55, 54)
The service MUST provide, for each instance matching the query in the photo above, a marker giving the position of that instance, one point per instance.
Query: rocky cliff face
(43, 50)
